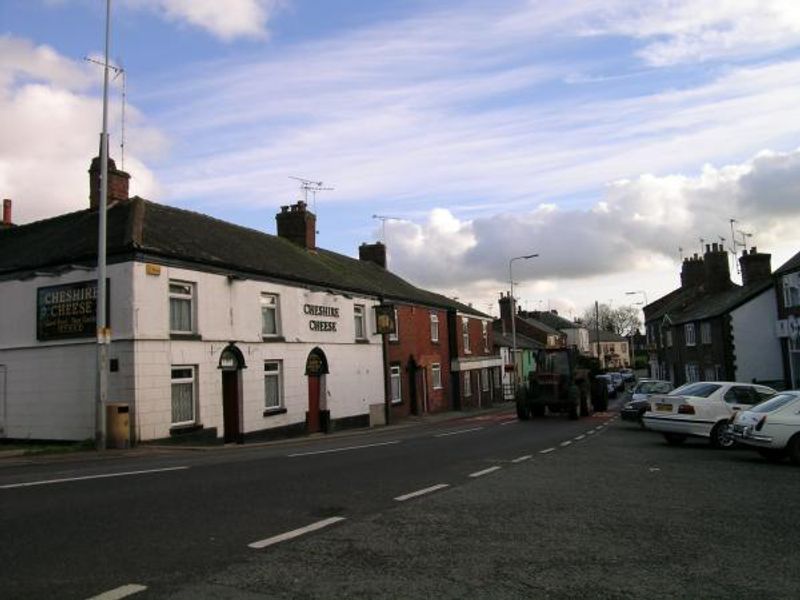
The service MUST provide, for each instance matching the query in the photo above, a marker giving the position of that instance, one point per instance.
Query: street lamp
(642, 292)
(644, 303)
(514, 312)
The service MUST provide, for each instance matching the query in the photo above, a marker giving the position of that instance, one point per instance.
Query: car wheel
(720, 438)
(674, 439)
(772, 454)
(793, 449)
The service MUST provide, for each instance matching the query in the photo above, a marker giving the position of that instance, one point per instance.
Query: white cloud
(50, 116)
(226, 20)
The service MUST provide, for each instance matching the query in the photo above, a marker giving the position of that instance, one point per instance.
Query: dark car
(640, 398)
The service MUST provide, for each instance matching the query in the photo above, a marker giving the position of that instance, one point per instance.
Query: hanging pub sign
(68, 311)
(384, 318)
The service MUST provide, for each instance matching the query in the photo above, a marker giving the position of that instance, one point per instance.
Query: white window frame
(465, 334)
(189, 297)
(393, 337)
(436, 376)
(705, 332)
(434, 327)
(484, 377)
(669, 338)
(689, 334)
(692, 372)
(359, 316)
(276, 373)
(395, 376)
(485, 335)
(183, 380)
(467, 384)
(276, 307)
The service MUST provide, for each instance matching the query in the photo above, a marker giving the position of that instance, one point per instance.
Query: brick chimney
(755, 266)
(117, 183)
(373, 253)
(717, 271)
(692, 272)
(6, 223)
(298, 225)
(505, 312)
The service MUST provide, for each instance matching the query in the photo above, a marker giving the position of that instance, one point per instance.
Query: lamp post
(514, 312)
(644, 303)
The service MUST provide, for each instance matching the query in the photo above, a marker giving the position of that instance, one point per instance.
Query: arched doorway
(316, 369)
(231, 363)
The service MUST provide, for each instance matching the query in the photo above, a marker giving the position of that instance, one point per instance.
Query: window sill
(397, 401)
(271, 412)
(272, 338)
(185, 336)
(362, 341)
(188, 428)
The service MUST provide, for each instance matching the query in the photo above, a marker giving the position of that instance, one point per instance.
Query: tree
(623, 320)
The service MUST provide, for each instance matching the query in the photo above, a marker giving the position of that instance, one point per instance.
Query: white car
(772, 427)
(702, 409)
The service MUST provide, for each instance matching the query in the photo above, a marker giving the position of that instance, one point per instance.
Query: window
(393, 337)
(742, 395)
(181, 309)
(484, 380)
(465, 334)
(183, 395)
(692, 372)
(269, 315)
(688, 332)
(467, 385)
(485, 335)
(791, 290)
(273, 384)
(394, 377)
(669, 338)
(710, 374)
(358, 316)
(705, 332)
(436, 376)
(434, 327)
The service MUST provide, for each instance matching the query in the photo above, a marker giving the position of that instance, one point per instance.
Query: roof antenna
(308, 185)
(118, 70)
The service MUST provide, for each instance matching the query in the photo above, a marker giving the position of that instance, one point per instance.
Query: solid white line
(120, 592)
(331, 450)
(295, 533)
(85, 477)
(580, 437)
(565, 444)
(484, 472)
(546, 450)
(428, 490)
(458, 432)
(522, 458)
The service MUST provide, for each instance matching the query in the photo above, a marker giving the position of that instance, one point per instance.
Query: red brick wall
(476, 343)
(414, 341)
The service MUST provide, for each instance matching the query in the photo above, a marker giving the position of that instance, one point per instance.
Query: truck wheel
(523, 411)
(793, 448)
(720, 438)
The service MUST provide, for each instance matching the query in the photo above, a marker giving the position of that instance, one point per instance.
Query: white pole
(103, 333)
(514, 313)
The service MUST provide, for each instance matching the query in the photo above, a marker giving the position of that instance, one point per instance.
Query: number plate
(663, 407)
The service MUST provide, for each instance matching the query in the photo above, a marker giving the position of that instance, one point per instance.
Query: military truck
(563, 383)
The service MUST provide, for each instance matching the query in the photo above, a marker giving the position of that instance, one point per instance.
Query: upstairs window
(705, 332)
(393, 337)
(669, 338)
(181, 307)
(688, 331)
(270, 324)
(358, 317)
(485, 335)
(465, 334)
(434, 327)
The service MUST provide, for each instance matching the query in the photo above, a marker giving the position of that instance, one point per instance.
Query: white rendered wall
(757, 348)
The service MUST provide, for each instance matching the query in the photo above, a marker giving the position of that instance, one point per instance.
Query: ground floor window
(184, 398)
(709, 374)
(436, 376)
(692, 372)
(467, 384)
(484, 380)
(273, 384)
(394, 378)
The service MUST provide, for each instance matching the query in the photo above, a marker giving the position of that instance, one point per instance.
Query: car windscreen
(652, 387)
(774, 403)
(699, 390)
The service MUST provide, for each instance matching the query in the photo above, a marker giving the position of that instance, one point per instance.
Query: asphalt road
(615, 513)
(77, 528)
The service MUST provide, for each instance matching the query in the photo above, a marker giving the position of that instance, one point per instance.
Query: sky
(608, 137)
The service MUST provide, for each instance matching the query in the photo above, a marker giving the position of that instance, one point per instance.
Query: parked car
(640, 398)
(612, 389)
(702, 409)
(619, 383)
(772, 427)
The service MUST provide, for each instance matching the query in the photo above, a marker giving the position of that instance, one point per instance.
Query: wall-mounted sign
(318, 310)
(384, 318)
(68, 311)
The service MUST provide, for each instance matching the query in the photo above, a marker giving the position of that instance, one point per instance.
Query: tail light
(686, 409)
(761, 422)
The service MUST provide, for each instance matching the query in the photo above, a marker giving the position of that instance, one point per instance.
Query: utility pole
(597, 331)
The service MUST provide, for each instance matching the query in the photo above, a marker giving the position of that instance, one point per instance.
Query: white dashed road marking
(460, 431)
(121, 592)
(546, 450)
(342, 449)
(85, 477)
(565, 444)
(289, 535)
(428, 490)
(590, 432)
(484, 472)
(579, 438)
(522, 458)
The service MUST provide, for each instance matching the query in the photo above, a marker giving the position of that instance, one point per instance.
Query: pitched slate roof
(606, 336)
(793, 264)
(146, 230)
(543, 327)
(553, 320)
(523, 341)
